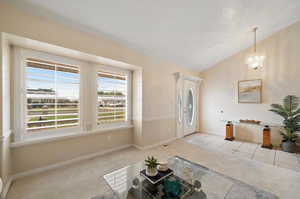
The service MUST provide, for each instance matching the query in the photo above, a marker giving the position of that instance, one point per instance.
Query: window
(111, 98)
(52, 95)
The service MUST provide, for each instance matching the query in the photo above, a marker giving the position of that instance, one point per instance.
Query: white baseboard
(6, 188)
(211, 133)
(74, 160)
(138, 147)
(67, 162)
(155, 145)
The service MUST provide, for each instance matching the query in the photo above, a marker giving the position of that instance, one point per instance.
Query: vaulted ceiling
(193, 33)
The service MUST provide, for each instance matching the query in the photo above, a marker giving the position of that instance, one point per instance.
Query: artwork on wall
(249, 91)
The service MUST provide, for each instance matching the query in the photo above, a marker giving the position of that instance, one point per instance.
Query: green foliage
(290, 112)
(110, 93)
(151, 162)
(288, 135)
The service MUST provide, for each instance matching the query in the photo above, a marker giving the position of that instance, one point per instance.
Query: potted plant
(151, 166)
(290, 112)
(288, 141)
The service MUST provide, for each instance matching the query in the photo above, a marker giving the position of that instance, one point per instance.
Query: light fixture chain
(255, 29)
(255, 40)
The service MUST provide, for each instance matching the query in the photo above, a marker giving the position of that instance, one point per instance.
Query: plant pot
(151, 171)
(289, 146)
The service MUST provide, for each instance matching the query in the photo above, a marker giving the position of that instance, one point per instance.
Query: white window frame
(87, 101)
(20, 133)
(128, 115)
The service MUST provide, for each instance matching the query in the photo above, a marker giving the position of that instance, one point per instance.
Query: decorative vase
(172, 187)
(163, 166)
(151, 171)
(289, 146)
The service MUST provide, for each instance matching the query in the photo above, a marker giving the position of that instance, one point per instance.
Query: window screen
(112, 97)
(52, 95)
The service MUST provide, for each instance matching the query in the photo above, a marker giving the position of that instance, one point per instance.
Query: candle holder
(229, 131)
(267, 138)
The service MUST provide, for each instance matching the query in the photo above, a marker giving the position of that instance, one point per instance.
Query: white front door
(189, 106)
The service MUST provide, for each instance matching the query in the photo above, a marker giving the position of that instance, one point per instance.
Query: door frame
(179, 92)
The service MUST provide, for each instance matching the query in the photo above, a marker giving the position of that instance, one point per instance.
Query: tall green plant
(288, 135)
(290, 112)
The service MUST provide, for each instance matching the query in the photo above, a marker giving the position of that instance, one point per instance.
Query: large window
(111, 98)
(52, 95)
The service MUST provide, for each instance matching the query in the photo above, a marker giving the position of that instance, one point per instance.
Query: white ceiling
(193, 33)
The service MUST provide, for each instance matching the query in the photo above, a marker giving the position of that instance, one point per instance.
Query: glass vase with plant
(290, 112)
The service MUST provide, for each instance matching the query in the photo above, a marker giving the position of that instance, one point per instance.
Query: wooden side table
(267, 138)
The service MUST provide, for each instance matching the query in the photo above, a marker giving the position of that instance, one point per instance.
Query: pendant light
(255, 60)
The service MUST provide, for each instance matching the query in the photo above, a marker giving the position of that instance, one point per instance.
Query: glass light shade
(254, 61)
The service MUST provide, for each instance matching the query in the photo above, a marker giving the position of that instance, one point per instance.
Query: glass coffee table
(190, 180)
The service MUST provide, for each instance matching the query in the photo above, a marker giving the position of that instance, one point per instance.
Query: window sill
(66, 136)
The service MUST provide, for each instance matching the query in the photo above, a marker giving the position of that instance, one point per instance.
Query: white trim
(87, 92)
(18, 90)
(6, 188)
(66, 52)
(20, 108)
(165, 117)
(67, 162)
(5, 135)
(180, 99)
(55, 166)
(211, 133)
(179, 75)
(138, 147)
(155, 145)
(128, 108)
(88, 59)
(67, 136)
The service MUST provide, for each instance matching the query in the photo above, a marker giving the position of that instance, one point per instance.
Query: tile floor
(246, 150)
(84, 180)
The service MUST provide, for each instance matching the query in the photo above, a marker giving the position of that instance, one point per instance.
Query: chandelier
(255, 60)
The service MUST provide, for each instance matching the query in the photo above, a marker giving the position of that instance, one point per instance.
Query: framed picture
(250, 91)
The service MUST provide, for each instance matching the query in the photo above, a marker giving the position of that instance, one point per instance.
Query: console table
(252, 132)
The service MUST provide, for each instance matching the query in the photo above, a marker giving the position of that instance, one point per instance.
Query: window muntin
(112, 101)
(52, 95)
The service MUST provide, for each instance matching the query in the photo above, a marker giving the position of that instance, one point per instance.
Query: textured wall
(158, 84)
(280, 75)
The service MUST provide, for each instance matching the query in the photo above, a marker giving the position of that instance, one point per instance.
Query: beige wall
(44, 154)
(158, 86)
(280, 75)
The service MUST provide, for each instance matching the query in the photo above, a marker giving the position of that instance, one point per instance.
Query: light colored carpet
(84, 180)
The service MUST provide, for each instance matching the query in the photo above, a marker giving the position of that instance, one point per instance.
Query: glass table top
(128, 183)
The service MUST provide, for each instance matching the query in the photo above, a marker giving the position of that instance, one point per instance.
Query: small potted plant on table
(151, 164)
(290, 112)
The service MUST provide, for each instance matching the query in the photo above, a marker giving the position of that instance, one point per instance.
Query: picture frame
(250, 91)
